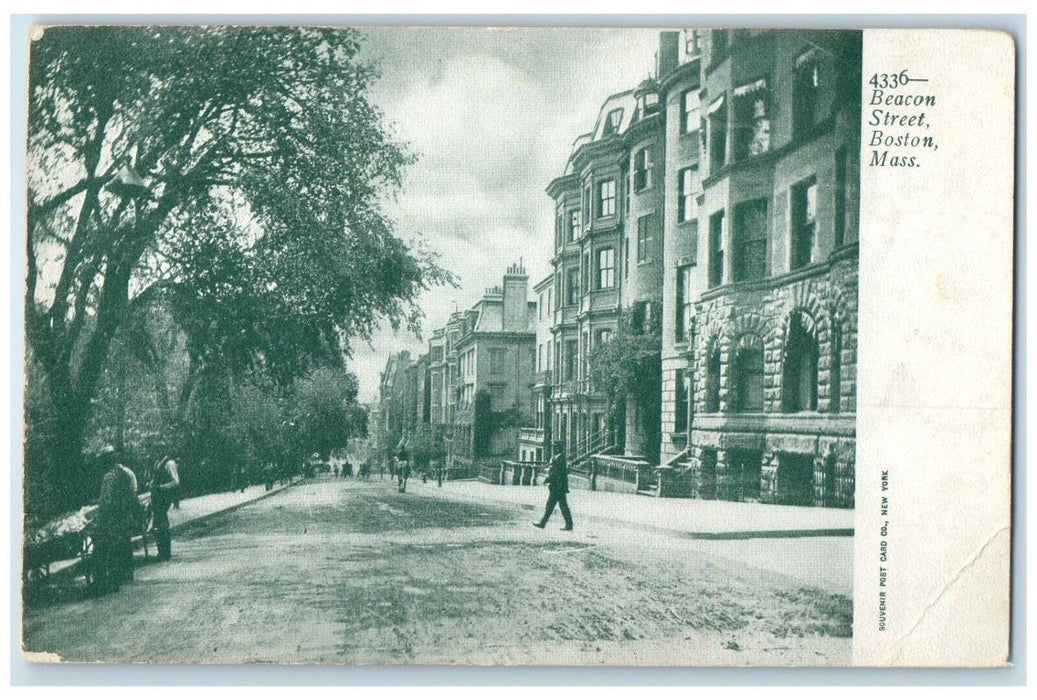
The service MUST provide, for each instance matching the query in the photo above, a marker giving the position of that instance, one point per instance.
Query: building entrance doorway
(795, 485)
(707, 476)
(745, 467)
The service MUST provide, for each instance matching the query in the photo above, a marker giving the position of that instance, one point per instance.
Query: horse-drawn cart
(69, 541)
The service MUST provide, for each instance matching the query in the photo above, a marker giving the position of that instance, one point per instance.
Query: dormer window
(647, 105)
(612, 122)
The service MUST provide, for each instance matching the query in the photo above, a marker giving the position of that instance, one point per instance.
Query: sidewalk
(190, 510)
(692, 518)
(214, 503)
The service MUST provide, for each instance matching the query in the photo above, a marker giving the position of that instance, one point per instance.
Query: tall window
(752, 127)
(747, 375)
(587, 203)
(687, 186)
(606, 268)
(685, 306)
(840, 197)
(680, 401)
(573, 287)
(498, 360)
(717, 135)
(607, 198)
(835, 369)
(716, 249)
(571, 357)
(805, 88)
(749, 261)
(626, 256)
(689, 112)
(559, 229)
(713, 378)
(799, 366)
(803, 222)
(574, 225)
(643, 169)
(602, 336)
(587, 272)
(644, 238)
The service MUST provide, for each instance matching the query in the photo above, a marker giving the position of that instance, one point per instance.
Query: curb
(683, 534)
(201, 519)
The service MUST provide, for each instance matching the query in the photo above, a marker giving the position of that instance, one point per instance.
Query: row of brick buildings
(715, 204)
(469, 393)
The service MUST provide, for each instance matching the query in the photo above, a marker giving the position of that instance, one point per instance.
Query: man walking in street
(164, 484)
(402, 468)
(557, 487)
(118, 517)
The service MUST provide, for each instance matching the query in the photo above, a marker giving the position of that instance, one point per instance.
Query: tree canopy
(236, 174)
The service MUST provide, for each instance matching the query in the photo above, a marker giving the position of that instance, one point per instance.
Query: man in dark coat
(164, 485)
(557, 481)
(117, 519)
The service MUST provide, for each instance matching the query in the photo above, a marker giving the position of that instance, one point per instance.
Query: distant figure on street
(557, 482)
(165, 480)
(118, 518)
(402, 468)
(437, 469)
(269, 476)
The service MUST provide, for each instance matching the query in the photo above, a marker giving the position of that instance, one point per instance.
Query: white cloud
(492, 115)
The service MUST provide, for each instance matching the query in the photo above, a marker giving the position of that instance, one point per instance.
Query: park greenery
(206, 242)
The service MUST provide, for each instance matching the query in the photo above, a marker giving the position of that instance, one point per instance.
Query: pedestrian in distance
(557, 482)
(165, 480)
(402, 469)
(118, 518)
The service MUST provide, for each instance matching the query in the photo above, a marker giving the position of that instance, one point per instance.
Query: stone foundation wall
(829, 479)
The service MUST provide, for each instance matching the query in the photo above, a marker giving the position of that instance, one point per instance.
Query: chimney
(669, 53)
(516, 293)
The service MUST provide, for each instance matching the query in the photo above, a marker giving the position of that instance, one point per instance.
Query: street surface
(349, 572)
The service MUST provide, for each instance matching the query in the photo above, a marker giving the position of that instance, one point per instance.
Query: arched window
(713, 378)
(799, 366)
(747, 375)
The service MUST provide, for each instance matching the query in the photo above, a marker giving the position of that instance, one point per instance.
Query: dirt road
(351, 572)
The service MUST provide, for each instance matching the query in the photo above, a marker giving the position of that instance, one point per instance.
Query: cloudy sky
(492, 115)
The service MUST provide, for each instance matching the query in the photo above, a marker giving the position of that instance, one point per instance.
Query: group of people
(401, 470)
(557, 482)
(120, 516)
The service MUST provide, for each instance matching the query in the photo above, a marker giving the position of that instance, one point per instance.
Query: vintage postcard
(518, 346)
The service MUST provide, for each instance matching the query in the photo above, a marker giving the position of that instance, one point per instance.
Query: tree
(325, 409)
(629, 367)
(235, 173)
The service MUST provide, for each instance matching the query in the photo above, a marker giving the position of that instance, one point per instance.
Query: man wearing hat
(165, 482)
(118, 515)
(557, 482)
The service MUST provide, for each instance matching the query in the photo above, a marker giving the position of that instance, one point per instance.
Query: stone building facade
(772, 350)
(726, 187)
